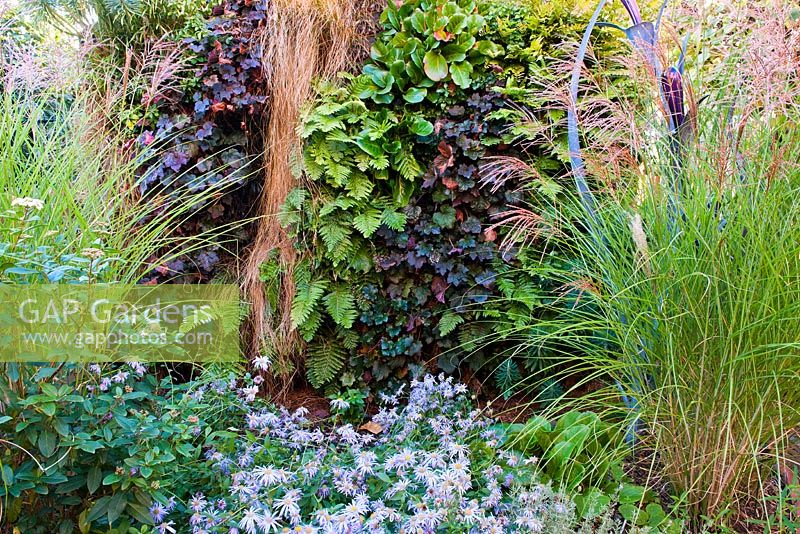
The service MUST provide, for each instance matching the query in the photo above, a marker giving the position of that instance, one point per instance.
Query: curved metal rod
(573, 137)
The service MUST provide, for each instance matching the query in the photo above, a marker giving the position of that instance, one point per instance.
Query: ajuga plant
(72, 190)
(689, 272)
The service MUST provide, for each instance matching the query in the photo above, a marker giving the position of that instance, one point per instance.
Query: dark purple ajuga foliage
(209, 124)
(447, 257)
(207, 128)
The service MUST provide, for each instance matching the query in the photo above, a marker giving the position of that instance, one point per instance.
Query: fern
(339, 173)
(309, 328)
(340, 203)
(359, 186)
(306, 298)
(334, 235)
(471, 336)
(380, 163)
(312, 167)
(324, 360)
(448, 322)
(406, 164)
(341, 306)
(349, 338)
(367, 222)
(394, 219)
(507, 377)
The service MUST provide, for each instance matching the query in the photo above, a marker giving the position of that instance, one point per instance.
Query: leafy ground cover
(110, 449)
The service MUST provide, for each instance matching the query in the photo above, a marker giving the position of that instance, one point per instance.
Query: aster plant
(427, 462)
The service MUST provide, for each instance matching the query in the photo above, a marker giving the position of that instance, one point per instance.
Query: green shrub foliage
(93, 449)
(427, 47)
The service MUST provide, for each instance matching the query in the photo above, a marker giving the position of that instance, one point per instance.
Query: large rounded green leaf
(435, 66)
(461, 73)
(415, 95)
(420, 126)
(370, 147)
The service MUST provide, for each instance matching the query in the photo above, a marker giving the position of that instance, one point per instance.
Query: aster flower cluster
(428, 463)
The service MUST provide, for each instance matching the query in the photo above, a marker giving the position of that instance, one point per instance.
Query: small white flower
(248, 520)
(270, 476)
(262, 363)
(92, 253)
(365, 462)
(28, 202)
(268, 522)
(250, 393)
(340, 404)
(287, 505)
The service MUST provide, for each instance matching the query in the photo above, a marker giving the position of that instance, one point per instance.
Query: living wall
(405, 265)
(429, 206)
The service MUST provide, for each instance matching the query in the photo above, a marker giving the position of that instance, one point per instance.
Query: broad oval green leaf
(415, 95)
(435, 66)
(461, 74)
(420, 126)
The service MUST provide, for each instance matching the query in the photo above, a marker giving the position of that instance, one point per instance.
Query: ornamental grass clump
(690, 269)
(685, 295)
(58, 149)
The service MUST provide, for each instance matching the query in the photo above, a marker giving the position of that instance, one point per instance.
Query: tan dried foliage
(302, 41)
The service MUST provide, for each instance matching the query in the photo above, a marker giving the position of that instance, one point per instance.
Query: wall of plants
(405, 267)
(205, 127)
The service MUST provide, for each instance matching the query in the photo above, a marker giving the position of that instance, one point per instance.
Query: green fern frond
(359, 186)
(340, 203)
(507, 377)
(325, 358)
(394, 220)
(448, 322)
(349, 338)
(339, 173)
(334, 235)
(367, 222)
(379, 163)
(312, 168)
(306, 298)
(406, 164)
(309, 328)
(341, 306)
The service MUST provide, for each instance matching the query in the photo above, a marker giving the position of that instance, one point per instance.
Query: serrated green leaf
(306, 298)
(341, 306)
(394, 220)
(367, 222)
(448, 322)
(323, 361)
